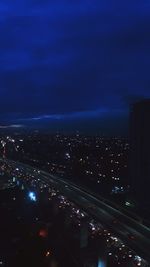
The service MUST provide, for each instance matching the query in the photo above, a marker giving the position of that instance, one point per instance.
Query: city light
(32, 196)
(101, 263)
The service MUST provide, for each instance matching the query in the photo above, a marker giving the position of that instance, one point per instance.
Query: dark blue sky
(72, 61)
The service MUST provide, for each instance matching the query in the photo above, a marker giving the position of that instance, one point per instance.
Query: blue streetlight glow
(32, 196)
(101, 263)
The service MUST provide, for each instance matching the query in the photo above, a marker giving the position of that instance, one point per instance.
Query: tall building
(140, 150)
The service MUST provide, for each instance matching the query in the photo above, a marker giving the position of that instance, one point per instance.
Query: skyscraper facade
(140, 150)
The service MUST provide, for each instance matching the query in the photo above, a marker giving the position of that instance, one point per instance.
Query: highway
(134, 234)
(107, 215)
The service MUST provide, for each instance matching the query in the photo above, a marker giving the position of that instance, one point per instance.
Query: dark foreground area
(34, 233)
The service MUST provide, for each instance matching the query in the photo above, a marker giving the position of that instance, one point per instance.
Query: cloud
(11, 126)
(75, 115)
(72, 57)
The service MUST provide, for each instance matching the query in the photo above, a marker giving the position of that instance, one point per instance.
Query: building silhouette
(140, 150)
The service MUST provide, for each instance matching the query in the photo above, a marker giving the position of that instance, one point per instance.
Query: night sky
(74, 65)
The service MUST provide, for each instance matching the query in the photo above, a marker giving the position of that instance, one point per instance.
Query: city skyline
(74, 133)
